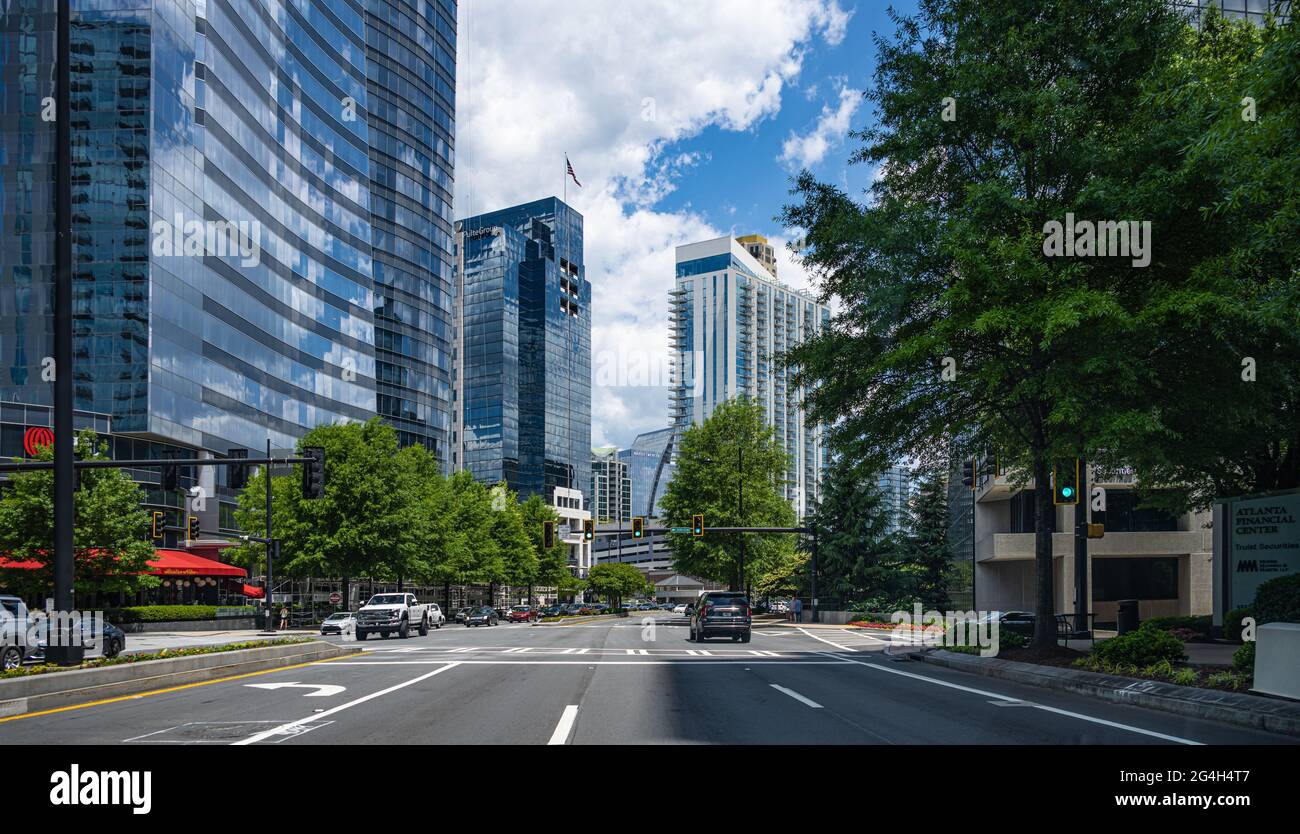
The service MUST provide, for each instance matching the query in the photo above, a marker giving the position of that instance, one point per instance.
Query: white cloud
(832, 126)
(614, 87)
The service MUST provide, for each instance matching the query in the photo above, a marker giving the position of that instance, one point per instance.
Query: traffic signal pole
(62, 651)
(270, 549)
(1081, 551)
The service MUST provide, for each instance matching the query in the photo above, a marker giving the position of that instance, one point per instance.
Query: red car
(522, 614)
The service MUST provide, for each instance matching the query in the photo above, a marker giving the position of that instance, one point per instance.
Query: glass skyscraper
(246, 176)
(650, 468)
(524, 360)
(411, 95)
(731, 322)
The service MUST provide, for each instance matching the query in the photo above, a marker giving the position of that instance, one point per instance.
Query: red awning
(164, 563)
(254, 592)
(180, 563)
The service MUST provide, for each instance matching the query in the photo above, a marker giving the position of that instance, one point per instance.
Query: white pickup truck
(387, 614)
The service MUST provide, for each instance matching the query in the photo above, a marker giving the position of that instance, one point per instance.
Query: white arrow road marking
(323, 690)
(562, 730)
(293, 726)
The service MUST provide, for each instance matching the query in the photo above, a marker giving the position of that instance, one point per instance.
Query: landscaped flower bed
(164, 654)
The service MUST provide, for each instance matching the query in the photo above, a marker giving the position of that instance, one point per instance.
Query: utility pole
(270, 550)
(1081, 551)
(61, 651)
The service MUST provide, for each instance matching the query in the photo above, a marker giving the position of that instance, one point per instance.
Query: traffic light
(968, 473)
(638, 527)
(588, 530)
(156, 527)
(1065, 483)
(697, 525)
(237, 473)
(192, 528)
(548, 535)
(313, 472)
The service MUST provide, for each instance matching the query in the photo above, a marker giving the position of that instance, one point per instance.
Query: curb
(1254, 711)
(53, 690)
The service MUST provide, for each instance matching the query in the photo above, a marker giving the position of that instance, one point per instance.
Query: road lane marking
(984, 693)
(322, 690)
(292, 725)
(583, 651)
(739, 661)
(562, 729)
(827, 642)
(801, 699)
(165, 691)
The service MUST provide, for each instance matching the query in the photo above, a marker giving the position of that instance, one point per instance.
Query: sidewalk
(152, 641)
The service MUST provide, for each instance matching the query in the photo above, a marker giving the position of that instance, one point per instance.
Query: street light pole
(60, 651)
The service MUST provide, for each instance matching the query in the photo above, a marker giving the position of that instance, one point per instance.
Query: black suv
(721, 614)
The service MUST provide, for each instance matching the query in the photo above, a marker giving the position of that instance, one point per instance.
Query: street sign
(679, 529)
(336, 598)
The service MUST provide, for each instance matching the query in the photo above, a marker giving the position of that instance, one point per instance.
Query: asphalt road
(616, 682)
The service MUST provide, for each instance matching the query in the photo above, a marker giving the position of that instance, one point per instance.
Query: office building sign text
(1265, 543)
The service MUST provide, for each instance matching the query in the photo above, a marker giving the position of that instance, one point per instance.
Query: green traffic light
(1067, 491)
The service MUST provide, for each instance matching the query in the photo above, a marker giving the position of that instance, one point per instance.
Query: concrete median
(52, 690)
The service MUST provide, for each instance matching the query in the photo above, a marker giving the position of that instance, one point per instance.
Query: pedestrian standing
(798, 609)
(284, 616)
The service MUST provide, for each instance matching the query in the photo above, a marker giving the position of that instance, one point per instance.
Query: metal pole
(270, 550)
(740, 484)
(60, 651)
(1081, 551)
(815, 618)
(973, 606)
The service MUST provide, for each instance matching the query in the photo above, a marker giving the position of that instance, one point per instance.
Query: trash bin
(1128, 616)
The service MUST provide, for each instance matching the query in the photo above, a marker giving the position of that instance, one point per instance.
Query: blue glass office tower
(321, 130)
(524, 363)
(650, 466)
(411, 87)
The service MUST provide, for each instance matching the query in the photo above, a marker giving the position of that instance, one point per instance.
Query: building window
(1135, 578)
(1022, 513)
(1123, 515)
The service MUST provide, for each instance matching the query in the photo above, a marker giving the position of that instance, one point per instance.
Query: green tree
(1200, 424)
(365, 525)
(955, 322)
(856, 559)
(518, 555)
(733, 446)
(782, 576)
(925, 549)
(616, 580)
(110, 545)
(552, 564)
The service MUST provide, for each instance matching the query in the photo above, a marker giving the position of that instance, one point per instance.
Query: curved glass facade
(411, 81)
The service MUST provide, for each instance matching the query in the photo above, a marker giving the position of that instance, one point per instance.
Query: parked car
(13, 630)
(437, 619)
(522, 614)
(680, 608)
(481, 616)
(340, 622)
(112, 640)
(463, 613)
(387, 614)
(721, 614)
(573, 608)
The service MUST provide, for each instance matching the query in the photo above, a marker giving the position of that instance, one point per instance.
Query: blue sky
(683, 120)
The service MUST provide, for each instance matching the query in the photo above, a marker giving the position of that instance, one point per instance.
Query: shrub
(1278, 600)
(161, 613)
(1232, 627)
(1140, 648)
(1201, 625)
(1162, 671)
(1243, 660)
(1185, 677)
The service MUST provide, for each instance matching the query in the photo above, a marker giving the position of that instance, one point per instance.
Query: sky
(684, 121)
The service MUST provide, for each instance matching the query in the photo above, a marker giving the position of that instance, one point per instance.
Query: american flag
(569, 165)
